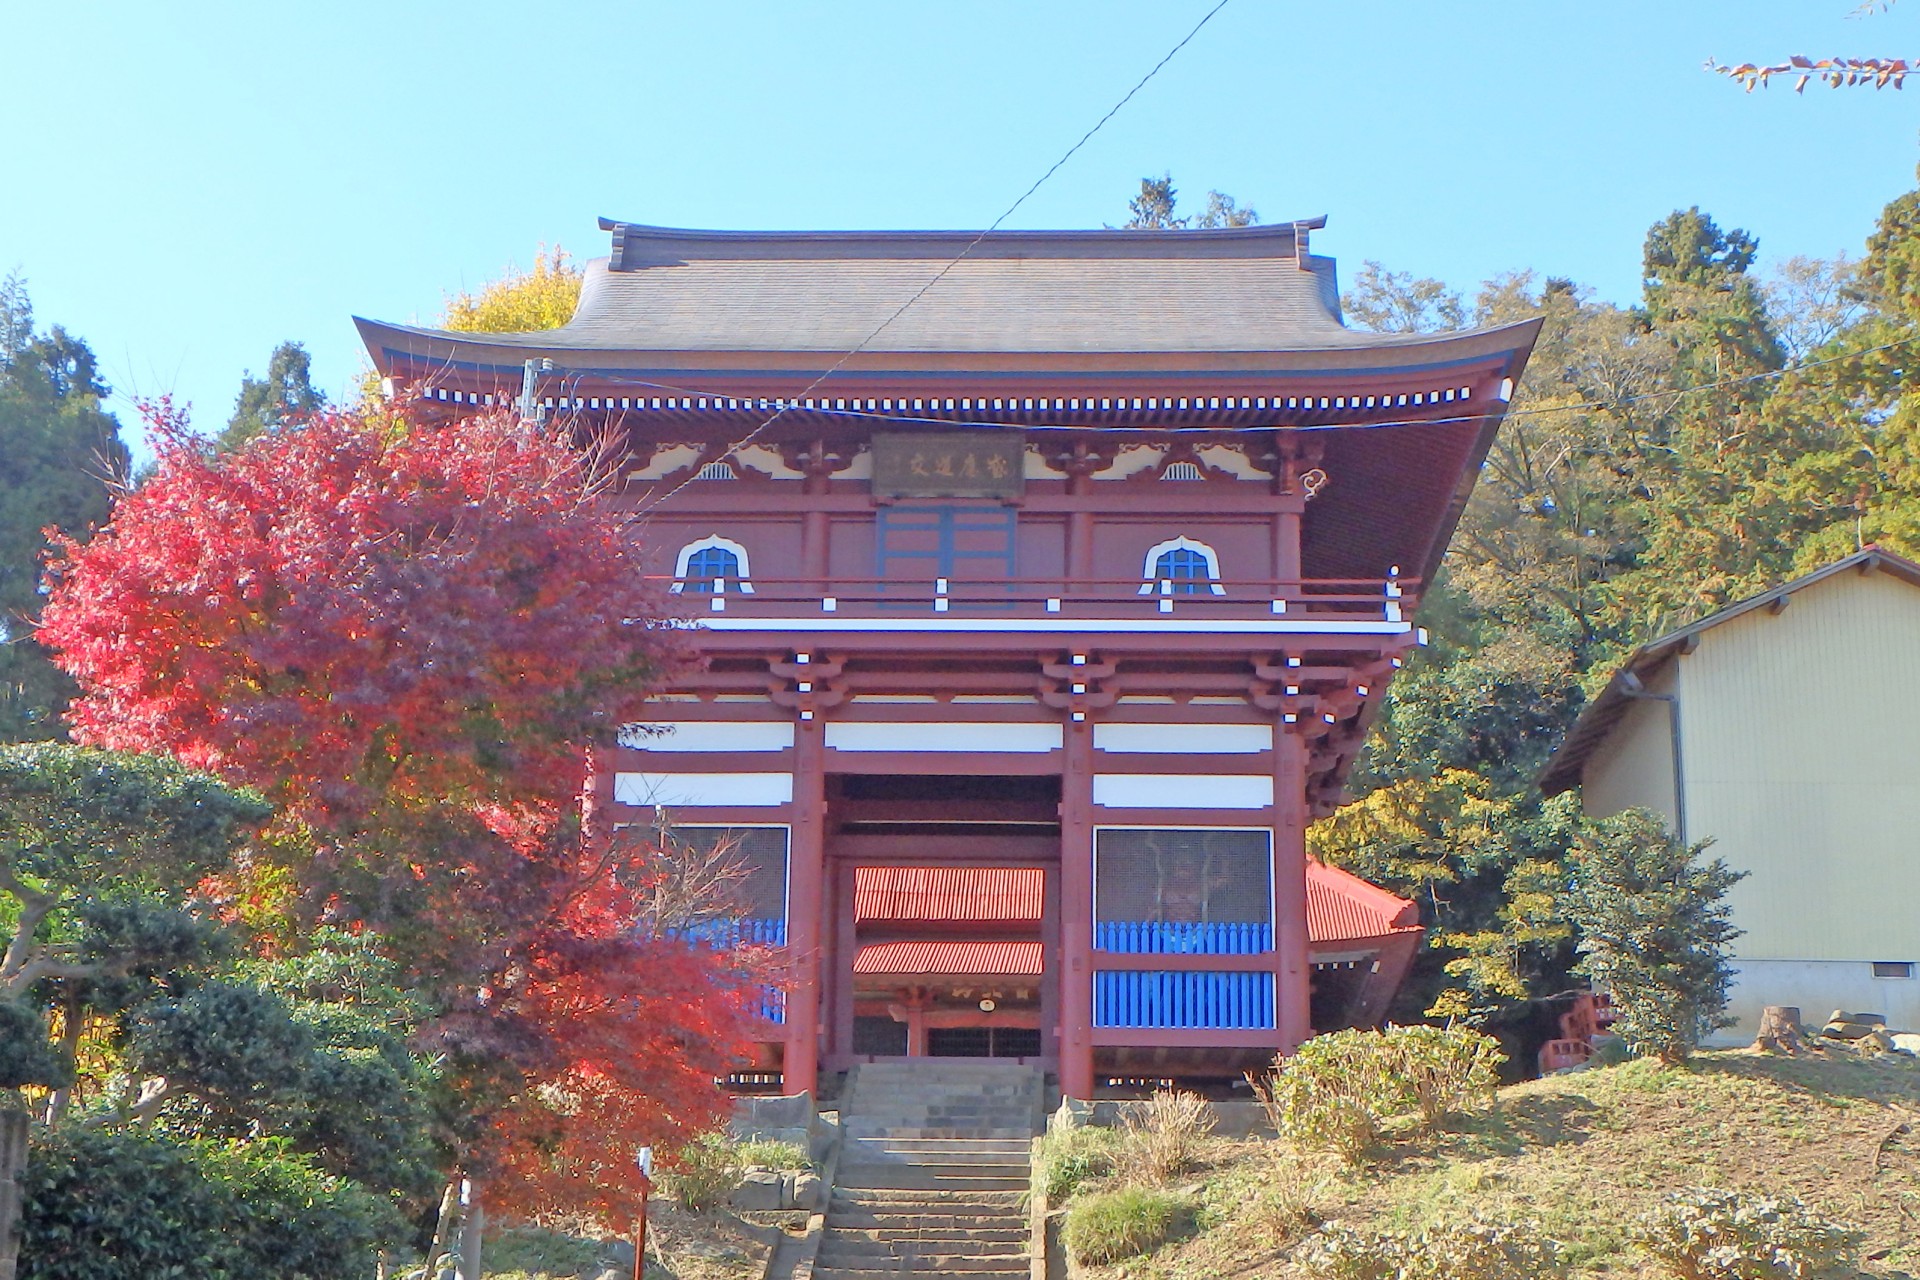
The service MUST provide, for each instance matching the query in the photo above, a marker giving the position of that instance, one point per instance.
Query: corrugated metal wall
(1801, 736)
(1634, 766)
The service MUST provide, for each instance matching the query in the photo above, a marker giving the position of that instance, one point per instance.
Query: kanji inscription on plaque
(956, 464)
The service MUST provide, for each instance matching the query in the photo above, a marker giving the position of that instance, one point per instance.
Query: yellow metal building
(1786, 730)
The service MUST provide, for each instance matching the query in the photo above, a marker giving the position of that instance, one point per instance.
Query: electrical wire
(882, 415)
(973, 244)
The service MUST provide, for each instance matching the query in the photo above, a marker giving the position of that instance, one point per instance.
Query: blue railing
(1205, 1001)
(768, 1002)
(1137, 937)
(724, 935)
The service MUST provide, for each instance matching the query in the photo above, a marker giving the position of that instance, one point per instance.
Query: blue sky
(188, 184)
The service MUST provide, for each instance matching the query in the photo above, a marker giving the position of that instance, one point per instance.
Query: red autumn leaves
(411, 637)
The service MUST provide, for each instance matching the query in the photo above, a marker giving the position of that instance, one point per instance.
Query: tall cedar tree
(59, 453)
(284, 396)
(412, 639)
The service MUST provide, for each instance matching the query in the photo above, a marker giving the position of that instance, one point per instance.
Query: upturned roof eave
(1374, 353)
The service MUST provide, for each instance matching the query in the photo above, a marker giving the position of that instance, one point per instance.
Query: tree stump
(1779, 1030)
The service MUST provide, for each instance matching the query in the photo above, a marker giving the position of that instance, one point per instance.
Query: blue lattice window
(713, 566)
(1180, 567)
(710, 567)
(1188, 570)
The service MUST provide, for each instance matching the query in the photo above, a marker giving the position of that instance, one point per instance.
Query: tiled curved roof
(1251, 289)
(1007, 894)
(1341, 907)
(951, 959)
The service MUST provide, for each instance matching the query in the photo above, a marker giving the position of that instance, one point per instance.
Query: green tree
(1654, 928)
(284, 396)
(82, 835)
(1153, 210)
(60, 458)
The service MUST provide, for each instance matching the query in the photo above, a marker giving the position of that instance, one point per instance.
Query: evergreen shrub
(1476, 1249)
(1709, 1234)
(105, 1206)
(1338, 1091)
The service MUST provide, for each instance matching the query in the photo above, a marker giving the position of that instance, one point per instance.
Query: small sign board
(950, 464)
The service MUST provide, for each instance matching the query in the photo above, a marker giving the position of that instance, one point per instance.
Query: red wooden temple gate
(1036, 633)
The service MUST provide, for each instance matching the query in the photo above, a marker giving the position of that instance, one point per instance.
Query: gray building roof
(1241, 290)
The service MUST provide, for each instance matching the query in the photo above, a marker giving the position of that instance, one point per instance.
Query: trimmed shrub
(1708, 1234)
(1069, 1155)
(1448, 1070)
(1338, 1091)
(1163, 1134)
(1122, 1224)
(103, 1206)
(1476, 1249)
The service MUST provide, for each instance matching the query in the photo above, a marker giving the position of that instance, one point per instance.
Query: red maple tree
(411, 638)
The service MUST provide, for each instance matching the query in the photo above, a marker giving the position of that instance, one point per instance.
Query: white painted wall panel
(711, 735)
(1184, 739)
(933, 736)
(710, 790)
(1817, 987)
(1182, 791)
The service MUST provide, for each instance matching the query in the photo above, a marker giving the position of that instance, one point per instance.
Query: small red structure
(1048, 583)
(1590, 1016)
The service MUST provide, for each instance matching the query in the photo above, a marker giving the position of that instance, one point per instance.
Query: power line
(921, 419)
(973, 244)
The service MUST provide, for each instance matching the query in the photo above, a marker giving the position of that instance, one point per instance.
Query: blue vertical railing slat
(1183, 999)
(1144, 937)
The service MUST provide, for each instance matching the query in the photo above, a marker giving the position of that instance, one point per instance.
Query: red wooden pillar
(1292, 966)
(1076, 912)
(806, 874)
(1286, 540)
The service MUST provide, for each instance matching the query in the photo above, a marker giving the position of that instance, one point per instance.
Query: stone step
(942, 1177)
(1010, 1232)
(948, 1117)
(946, 1201)
(945, 1217)
(915, 1262)
(897, 1242)
(955, 1224)
(948, 1214)
(920, 1262)
(875, 1151)
(922, 1269)
(1006, 1135)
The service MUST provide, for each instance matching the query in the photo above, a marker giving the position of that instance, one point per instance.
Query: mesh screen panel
(759, 855)
(1179, 876)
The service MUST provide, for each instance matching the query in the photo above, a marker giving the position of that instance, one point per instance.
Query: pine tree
(1654, 927)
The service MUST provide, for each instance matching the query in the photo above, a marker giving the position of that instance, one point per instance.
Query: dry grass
(1586, 1153)
(1165, 1134)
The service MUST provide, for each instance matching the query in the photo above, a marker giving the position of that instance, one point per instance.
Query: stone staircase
(933, 1172)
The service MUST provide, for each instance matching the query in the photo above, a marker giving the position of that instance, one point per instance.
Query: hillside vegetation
(1583, 1154)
